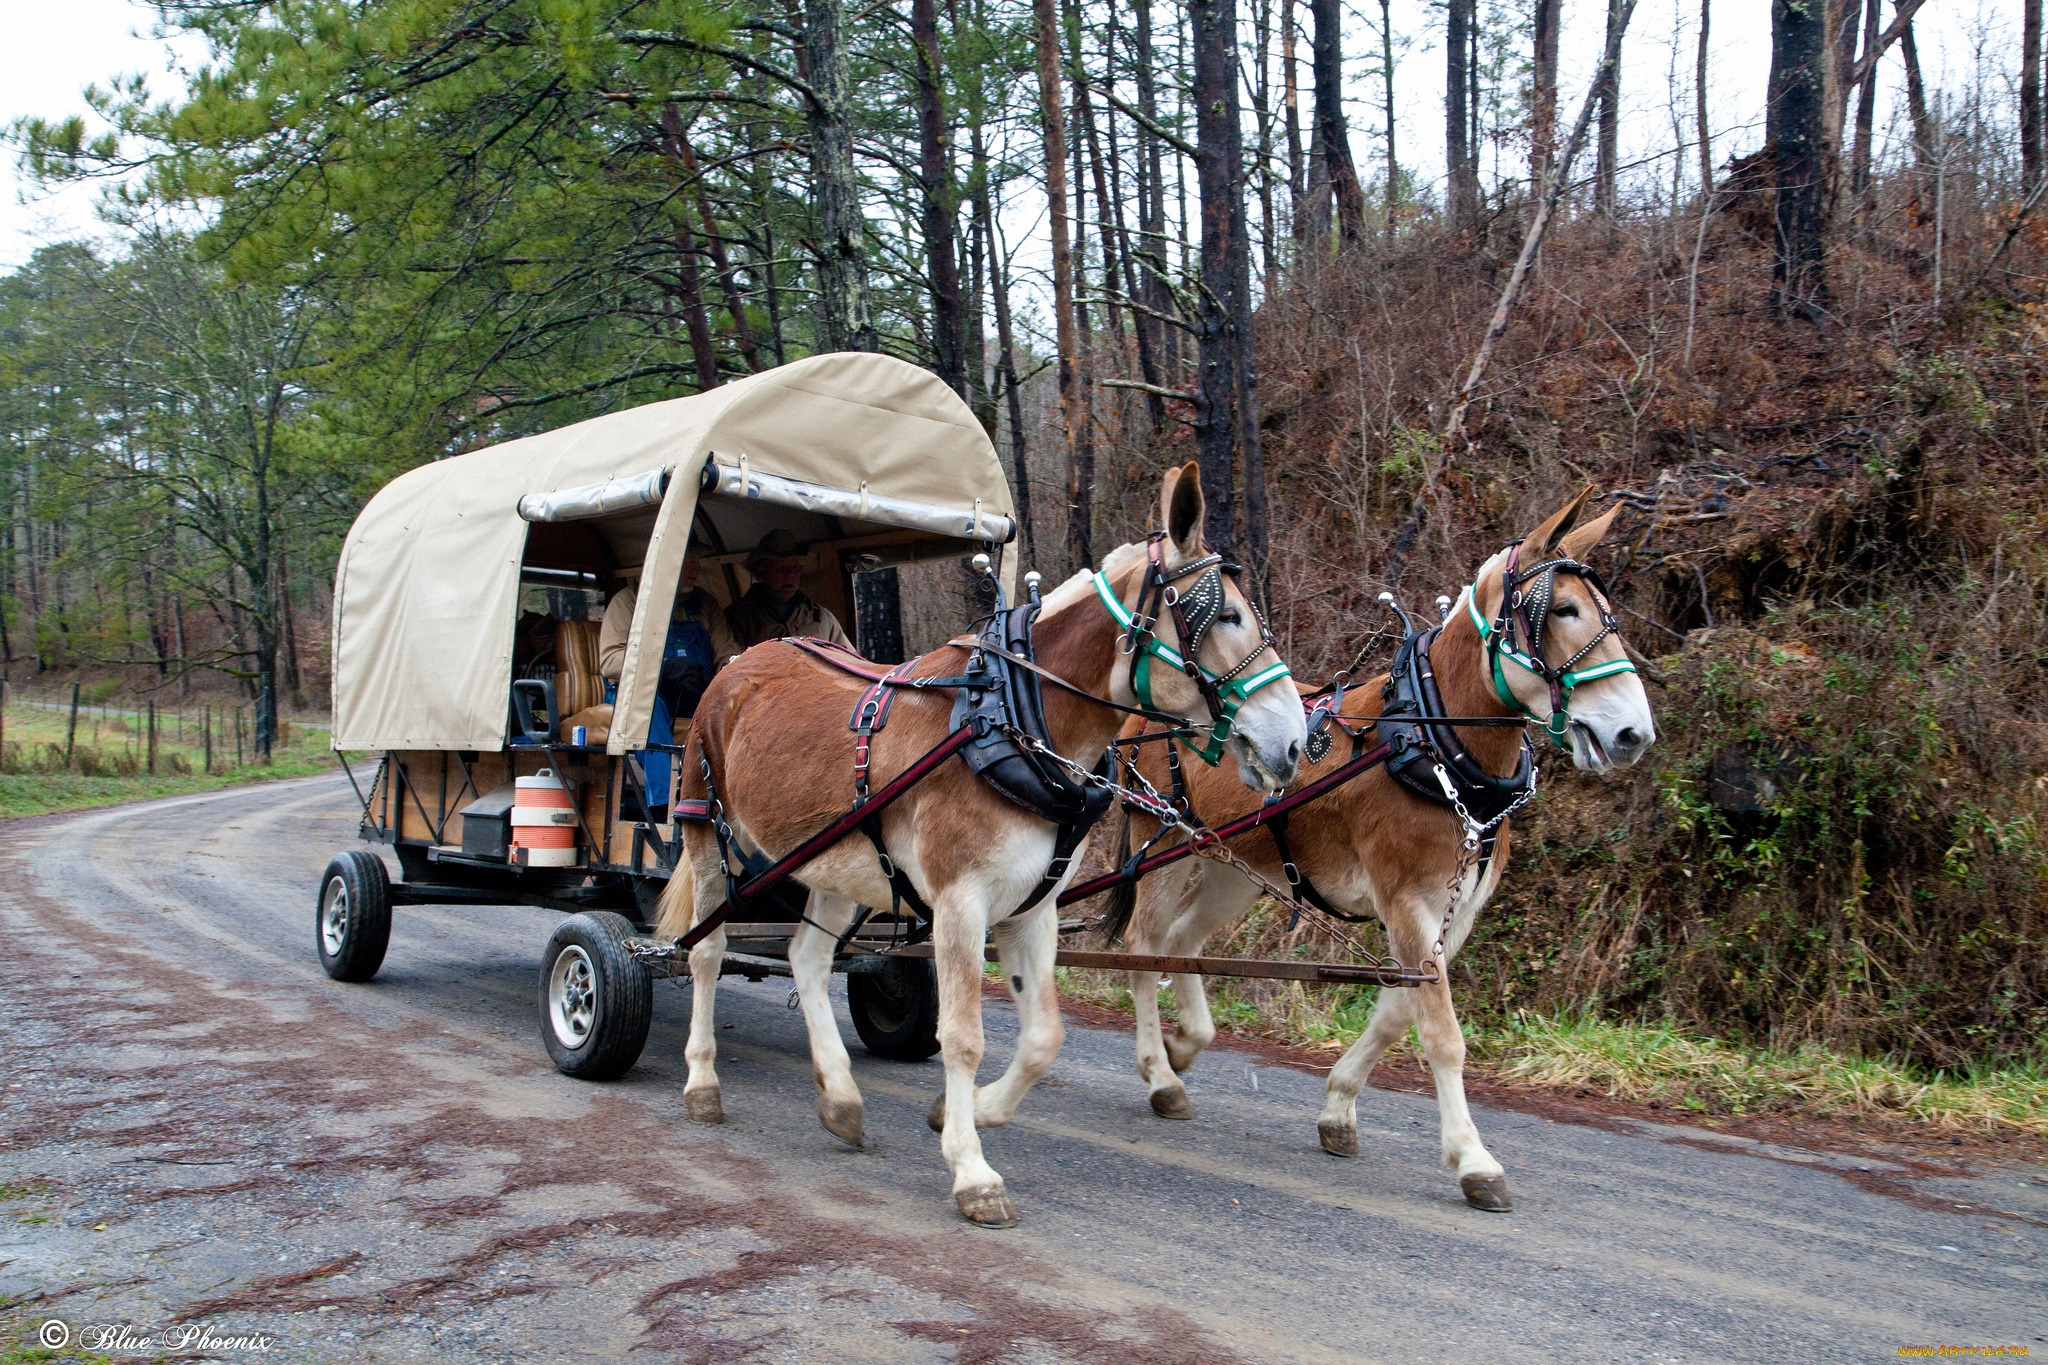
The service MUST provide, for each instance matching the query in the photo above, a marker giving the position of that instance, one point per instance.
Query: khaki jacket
(753, 619)
(695, 604)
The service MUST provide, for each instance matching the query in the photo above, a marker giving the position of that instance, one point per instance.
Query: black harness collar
(1005, 700)
(1411, 708)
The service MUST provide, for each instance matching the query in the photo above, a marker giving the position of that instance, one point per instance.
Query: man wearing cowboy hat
(776, 605)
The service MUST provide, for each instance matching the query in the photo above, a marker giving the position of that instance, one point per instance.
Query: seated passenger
(696, 646)
(698, 641)
(776, 605)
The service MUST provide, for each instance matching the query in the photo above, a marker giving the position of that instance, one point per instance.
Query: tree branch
(641, 37)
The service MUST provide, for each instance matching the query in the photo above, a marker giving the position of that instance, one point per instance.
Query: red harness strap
(870, 714)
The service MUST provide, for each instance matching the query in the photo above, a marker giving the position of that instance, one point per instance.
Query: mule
(1374, 847)
(773, 730)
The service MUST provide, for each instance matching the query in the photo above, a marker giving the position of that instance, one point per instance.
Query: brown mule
(1374, 847)
(773, 728)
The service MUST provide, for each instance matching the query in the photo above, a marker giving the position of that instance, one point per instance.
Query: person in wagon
(697, 644)
(698, 641)
(777, 605)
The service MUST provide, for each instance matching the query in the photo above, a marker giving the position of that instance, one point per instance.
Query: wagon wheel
(896, 1010)
(352, 916)
(596, 1002)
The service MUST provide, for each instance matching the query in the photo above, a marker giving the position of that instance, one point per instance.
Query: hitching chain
(1203, 839)
(1468, 849)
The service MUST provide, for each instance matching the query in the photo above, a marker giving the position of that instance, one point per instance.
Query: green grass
(109, 760)
(1684, 1071)
(1703, 1075)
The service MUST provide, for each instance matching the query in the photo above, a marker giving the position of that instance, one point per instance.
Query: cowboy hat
(777, 544)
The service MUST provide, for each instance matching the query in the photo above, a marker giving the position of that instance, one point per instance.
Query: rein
(1531, 611)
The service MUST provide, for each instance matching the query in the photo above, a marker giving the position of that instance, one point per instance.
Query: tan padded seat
(578, 686)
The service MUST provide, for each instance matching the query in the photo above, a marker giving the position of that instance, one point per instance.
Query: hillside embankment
(1830, 550)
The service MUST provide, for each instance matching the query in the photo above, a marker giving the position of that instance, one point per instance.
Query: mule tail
(1123, 897)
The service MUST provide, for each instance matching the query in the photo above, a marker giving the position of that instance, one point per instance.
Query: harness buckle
(1293, 875)
(888, 865)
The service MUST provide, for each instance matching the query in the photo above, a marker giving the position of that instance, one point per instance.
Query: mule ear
(1181, 508)
(1544, 540)
(1585, 536)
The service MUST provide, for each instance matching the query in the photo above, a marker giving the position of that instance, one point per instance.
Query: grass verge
(108, 761)
(1680, 1071)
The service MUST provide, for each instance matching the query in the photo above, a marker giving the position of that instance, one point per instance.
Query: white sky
(57, 48)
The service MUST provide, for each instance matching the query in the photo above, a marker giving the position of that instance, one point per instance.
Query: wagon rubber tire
(896, 1011)
(352, 916)
(596, 1002)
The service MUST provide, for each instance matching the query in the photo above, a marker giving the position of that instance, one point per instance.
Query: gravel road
(201, 1133)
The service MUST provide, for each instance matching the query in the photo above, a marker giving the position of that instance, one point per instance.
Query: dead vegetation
(1830, 547)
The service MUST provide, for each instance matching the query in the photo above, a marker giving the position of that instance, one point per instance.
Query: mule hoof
(988, 1207)
(704, 1106)
(1172, 1103)
(936, 1119)
(1181, 1054)
(1339, 1139)
(842, 1119)
(1487, 1192)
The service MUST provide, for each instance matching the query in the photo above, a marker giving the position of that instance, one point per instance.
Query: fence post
(238, 736)
(206, 734)
(152, 737)
(71, 734)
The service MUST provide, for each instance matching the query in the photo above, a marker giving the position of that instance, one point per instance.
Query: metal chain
(1468, 850)
(1201, 837)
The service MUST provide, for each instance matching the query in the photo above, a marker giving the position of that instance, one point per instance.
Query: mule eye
(1229, 617)
(1567, 611)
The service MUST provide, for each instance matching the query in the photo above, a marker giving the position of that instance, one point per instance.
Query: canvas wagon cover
(426, 593)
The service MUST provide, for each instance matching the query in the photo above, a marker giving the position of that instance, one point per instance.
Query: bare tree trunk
(1084, 120)
(1134, 284)
(1795, 130)
(696, 322)
(1329, 77)
(1052, 117)
(1699, 81)
(844, 323)
(2033, 136)
(1547, 19)
(1387, 81)
(935, 173)
(678, 139)
(1866, 112)
(1606, 167)
(1152, 290)
(1262, 116)
(292, 680)
(1224, 316)
(1297, 183)
(999, 296)
(1461, 195)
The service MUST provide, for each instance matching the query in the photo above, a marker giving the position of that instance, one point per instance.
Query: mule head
(1267, 729)
(1610, 721)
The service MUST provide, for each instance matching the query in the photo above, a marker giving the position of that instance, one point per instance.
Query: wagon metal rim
(572, 997)
(334, 917)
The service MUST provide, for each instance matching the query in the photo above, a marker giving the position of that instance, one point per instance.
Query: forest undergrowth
(1833, 860)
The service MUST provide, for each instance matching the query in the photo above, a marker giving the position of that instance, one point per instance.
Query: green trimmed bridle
(1194, 612)
(1531, 611)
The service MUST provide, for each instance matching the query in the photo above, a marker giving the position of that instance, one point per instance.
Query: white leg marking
(810, 964)
(1026, 944)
